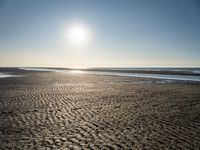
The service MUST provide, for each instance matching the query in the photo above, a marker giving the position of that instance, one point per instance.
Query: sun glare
(78, 35)
(77, 71)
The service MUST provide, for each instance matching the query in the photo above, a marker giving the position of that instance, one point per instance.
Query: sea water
(109, 71)
(7, 75)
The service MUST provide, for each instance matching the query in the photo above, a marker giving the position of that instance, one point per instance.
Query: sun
(78, 35)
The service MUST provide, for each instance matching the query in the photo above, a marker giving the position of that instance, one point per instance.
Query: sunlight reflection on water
(77, 71)
(140, 75)
(7, 75)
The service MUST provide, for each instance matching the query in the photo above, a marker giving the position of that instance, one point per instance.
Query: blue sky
(126, 33)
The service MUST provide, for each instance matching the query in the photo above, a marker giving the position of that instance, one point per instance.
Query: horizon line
(108, 67)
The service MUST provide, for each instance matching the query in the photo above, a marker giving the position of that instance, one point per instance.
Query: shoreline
(162, 75)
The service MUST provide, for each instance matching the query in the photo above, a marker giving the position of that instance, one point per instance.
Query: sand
(48, 110)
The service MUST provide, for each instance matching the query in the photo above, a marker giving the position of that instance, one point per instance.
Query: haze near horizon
(130, 33)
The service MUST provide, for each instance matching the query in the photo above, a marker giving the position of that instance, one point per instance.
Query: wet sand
(49, 110)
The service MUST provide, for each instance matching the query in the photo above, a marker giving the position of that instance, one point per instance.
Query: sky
(124, 33)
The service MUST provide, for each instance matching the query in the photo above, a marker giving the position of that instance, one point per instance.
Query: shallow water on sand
(7, 75)
(153, 76)
(137, 75)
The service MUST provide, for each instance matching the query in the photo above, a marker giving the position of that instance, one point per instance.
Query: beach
(52, 110)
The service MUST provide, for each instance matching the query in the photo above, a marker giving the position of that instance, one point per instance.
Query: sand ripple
(49, 110)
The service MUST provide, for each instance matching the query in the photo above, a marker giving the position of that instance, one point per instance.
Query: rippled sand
(51, 110)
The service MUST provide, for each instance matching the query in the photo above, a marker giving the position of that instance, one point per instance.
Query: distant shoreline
(173, 74)
(143, 70)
